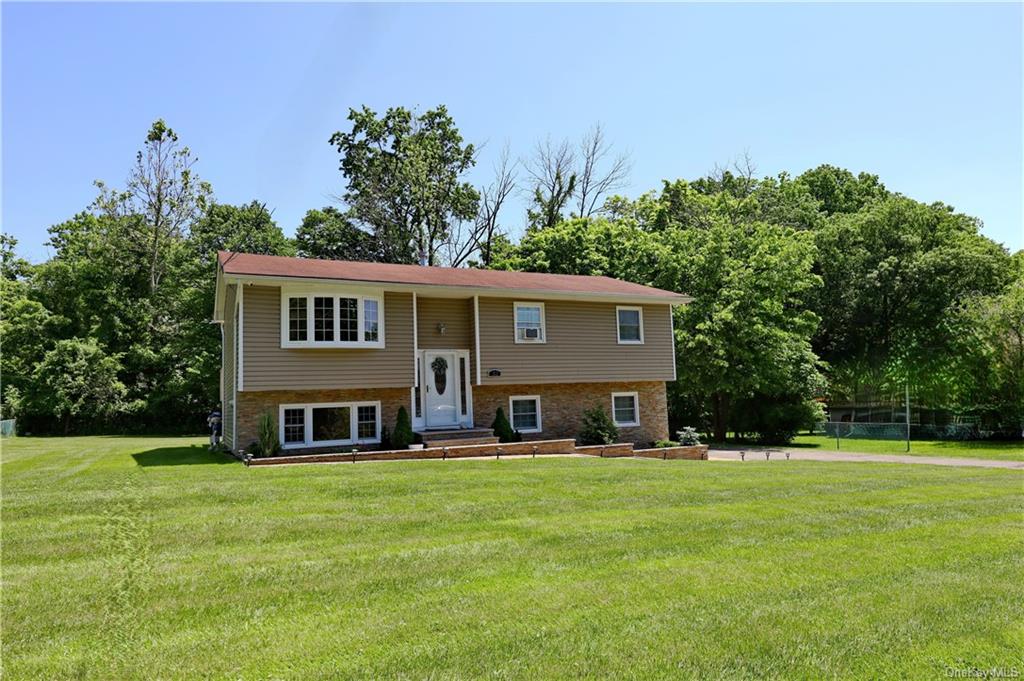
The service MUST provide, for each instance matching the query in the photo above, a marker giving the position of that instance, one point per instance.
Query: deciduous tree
(405, 179)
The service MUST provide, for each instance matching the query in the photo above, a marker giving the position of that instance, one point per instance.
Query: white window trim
(309, 294)
(511, 420)
(515, 324)
(308, 424)
(618, 325)
(636, 410)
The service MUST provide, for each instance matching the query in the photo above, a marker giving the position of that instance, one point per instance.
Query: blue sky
(927, 96)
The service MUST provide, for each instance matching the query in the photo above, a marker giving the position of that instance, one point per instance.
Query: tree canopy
(808, 287)
(405, 179)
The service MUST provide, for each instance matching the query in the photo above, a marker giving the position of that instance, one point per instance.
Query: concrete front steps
(457, 437)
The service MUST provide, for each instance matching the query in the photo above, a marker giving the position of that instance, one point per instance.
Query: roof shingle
(344, 270)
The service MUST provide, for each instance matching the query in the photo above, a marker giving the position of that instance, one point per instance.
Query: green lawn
(1011, 451)
(148, 558)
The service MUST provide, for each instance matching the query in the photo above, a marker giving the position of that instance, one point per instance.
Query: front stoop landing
(457, 437)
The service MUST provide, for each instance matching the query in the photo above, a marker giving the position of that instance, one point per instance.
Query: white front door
(440, 388)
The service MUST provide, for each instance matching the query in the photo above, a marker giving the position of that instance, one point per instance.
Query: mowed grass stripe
(515, 568)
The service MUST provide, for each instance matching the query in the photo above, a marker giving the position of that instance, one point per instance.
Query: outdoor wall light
(442, 328)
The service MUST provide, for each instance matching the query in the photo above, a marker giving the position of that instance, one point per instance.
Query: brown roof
(345, 270)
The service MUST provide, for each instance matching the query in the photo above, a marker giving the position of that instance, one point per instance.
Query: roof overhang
(443, 291)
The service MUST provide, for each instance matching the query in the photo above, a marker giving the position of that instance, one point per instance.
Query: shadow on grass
(979, 444)
(196, 455)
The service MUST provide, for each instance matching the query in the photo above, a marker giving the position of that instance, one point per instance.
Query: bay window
(317, 319)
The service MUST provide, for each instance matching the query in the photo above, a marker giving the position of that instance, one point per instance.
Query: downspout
(240, 331)
(476, 332)
(672, 330)
(415, 358)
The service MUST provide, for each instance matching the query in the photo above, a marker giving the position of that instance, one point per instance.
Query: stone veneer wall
(562, 406)
(252, 404)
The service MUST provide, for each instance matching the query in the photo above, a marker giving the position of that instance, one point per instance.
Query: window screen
(323, 319)
(625, 408)
(629, 325)
(294, 425)
(529, 323)
(348, 319)
(525, 414)
(371, 321)
(297, 319)
(367, 422)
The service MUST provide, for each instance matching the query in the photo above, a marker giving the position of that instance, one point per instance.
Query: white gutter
(457, 291)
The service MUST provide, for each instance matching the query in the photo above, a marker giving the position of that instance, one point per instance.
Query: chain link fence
(847, 430)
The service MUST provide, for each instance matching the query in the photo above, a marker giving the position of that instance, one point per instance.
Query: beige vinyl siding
(457, 316)
(582, 345)
(268, 366)
(227, 409)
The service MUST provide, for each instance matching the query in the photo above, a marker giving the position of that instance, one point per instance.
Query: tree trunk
(720, 415)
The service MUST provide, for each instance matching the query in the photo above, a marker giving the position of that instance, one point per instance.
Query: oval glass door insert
(440, 375)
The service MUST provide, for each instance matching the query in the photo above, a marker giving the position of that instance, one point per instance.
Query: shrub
(598, 428)
(688, 436)
(385, 437)
(666, 443)
(266, 433)
(502, 428)
(776, 419)
(403, 435)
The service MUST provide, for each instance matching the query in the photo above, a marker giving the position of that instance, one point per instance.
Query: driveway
(805, 455)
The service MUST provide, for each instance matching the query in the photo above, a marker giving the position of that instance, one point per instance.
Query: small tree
(269, 445)
(77, 380)
(403, 436)
(502, 428)
(688, 436)
(598, 428)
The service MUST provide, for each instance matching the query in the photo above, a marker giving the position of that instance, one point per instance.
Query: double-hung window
(320, 319)
(530, 323)
(630, 323)
(525, 411)
(626, 409)
(319, 425)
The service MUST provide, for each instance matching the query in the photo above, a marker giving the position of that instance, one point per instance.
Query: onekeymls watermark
(972, 672)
